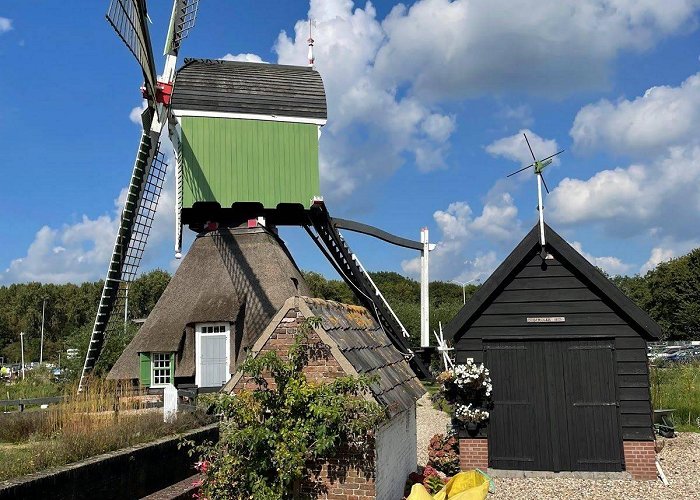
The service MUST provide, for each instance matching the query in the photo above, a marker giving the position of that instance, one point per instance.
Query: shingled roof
(249, 88)
(360, 340)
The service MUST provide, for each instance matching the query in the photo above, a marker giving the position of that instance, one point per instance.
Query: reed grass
(103, 418)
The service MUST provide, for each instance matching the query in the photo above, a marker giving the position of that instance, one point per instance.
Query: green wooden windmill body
(248, 132)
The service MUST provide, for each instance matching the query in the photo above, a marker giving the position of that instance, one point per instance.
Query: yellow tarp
(470, 485)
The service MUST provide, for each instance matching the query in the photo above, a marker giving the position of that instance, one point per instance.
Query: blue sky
(427, 102)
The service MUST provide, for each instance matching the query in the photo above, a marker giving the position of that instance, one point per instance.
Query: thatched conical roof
(239, 276)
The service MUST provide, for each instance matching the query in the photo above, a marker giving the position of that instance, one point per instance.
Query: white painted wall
(396, 454)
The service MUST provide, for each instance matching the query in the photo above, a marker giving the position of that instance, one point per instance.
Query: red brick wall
(640, 459)
(347, 475)
(473, 454)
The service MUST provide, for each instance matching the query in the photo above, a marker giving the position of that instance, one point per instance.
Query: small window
(162, 369)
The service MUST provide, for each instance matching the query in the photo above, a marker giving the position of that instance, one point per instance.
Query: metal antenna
(311, 46)
(539, 167)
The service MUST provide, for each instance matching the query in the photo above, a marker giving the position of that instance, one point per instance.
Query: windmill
(246, 138)
(539, 166)
(129, 19)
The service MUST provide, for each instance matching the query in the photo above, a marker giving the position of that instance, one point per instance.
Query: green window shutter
(145, 364)
(172, 368)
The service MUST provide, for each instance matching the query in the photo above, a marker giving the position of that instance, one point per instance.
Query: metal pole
(43, 316)
(540, 208)
(424, 290)
(21, 342)
(464, 293)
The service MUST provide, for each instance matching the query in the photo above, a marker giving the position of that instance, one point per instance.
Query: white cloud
(611, 265)
(658, 255)
(81, 251)
(460, 232)
(246, 57)
(515, 148)
(660, 196)
(5, 25)
(135, 113)
(365, 114)
(521, 114)
(458, 48)
(664, 116)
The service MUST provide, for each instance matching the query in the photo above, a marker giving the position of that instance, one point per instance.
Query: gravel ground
(680, 460)
(429, 422)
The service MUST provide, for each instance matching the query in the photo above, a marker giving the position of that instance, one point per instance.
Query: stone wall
(129, 473)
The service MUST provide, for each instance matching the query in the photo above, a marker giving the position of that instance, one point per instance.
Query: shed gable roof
(249, 88)
(570, 258)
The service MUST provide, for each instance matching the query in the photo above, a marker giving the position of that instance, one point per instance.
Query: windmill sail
(181, 22)
(136, 221)
(129, 20)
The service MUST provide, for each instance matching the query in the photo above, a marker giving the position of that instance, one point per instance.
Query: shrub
(272, 436)
(443, 454)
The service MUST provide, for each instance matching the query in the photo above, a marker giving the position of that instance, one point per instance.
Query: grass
(677, 386)
(104, 418)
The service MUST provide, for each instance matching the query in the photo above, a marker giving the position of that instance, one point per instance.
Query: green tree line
(670, 293)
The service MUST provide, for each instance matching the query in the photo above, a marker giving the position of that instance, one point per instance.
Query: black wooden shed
(567, 352)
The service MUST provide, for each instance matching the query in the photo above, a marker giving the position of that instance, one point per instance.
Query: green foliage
(270, 435)
(678, 386)
(403, 294)
(70, 311)
(38, 383)
(670, 293)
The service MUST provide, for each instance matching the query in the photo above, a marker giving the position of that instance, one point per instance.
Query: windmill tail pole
(424, 290)
(540, 208)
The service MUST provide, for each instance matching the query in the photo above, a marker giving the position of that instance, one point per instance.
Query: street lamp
(464, 286)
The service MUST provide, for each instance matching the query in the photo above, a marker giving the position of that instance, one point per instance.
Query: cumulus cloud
(80, 251)
(497, 224)
(611, 265)
(5, 25)
(660, 196)
(515, 148)
(457, 48)
(664, 116)
(658, 255)
(365, 114)
(245, 57)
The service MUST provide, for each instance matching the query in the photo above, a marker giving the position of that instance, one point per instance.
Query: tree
(269, 436)
(145, 292)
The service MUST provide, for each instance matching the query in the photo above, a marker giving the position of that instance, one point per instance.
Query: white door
(213, 353)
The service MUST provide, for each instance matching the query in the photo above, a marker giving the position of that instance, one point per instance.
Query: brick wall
(640, 459)
(473, 454)
(348, 475)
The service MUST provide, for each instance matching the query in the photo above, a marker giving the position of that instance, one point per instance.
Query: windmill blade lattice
(129, 20)
(182, 21)
(135, 225)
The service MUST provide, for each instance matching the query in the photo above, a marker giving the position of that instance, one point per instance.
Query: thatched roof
(239, 276)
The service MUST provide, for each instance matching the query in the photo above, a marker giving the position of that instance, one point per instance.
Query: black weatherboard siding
(249, 88)
(581, 377)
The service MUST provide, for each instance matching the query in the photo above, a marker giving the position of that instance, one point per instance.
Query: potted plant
(467, 388)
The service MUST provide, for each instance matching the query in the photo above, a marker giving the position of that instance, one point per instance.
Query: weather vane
(539, 165)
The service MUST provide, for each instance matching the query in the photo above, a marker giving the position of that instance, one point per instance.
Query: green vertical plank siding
(145, 369)
(172, 368)
(229, 160)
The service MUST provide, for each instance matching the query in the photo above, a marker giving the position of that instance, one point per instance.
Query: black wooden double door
(555, 406)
